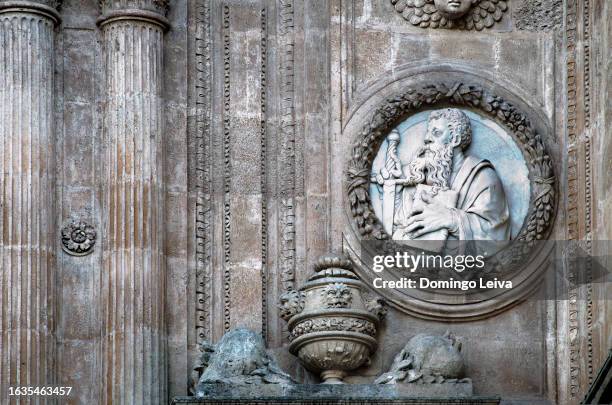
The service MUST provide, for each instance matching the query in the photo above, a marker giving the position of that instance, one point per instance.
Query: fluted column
(134, 281)
(27, 194)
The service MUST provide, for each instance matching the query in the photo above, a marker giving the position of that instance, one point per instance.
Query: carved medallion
(450, 160)
(78, 238)
(451, 165)
(459, 14)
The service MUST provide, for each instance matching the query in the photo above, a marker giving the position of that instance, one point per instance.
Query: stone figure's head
(291, 303)
(337, 295)
(453, 9)
(449, 126)
(447, 129)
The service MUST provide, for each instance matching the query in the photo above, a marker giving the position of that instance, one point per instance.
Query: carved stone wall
(210, 160)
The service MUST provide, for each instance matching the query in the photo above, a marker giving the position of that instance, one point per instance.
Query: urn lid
(333, 265)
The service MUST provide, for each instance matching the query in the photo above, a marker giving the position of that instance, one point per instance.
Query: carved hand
(430, 218)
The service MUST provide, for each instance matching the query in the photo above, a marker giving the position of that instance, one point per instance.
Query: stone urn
(332, 320)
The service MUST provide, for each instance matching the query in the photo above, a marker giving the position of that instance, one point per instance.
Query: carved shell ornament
(459, 14)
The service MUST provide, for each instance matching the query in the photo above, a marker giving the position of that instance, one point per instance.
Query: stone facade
(171, 168)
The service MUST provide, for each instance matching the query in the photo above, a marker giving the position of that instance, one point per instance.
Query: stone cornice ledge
(150, 11)
(45, 8)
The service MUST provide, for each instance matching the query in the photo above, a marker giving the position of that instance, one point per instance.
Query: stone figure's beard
(433, 169)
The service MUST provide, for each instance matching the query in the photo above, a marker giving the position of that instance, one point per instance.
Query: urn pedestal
(332, 320)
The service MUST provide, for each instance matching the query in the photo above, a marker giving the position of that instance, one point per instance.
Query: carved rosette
(458, 14)
(78, 238)
(332, 320)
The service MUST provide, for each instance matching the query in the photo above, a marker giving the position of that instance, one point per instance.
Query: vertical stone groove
(27, 187)
(134, 337)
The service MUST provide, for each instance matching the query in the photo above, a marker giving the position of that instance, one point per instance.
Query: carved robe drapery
(482, 209)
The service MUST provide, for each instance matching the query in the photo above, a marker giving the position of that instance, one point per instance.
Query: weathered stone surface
(158, 6)
(258, 99)
(134, 280)
(28, 237)
(427, 359)
(238, 360)
(324, 393)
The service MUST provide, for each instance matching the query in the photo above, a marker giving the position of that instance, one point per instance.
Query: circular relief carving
(78, 238)
(459, 14)
(383, 165)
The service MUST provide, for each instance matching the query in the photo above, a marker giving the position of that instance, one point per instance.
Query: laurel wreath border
(542, 204)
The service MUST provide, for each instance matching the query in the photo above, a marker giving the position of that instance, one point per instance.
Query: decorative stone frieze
(332, 321)
(27, 200)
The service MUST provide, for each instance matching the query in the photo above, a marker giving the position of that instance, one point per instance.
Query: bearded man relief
(442, 193)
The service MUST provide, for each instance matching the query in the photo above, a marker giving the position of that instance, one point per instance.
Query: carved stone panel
(500, 131)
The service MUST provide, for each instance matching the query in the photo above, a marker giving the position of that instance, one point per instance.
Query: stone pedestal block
(422, 394)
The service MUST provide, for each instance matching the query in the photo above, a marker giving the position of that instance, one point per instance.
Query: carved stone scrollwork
(333, 324)
(78, 238)
(458, 14)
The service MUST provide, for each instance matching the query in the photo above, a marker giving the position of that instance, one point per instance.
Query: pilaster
(134, 277)
(27, 189)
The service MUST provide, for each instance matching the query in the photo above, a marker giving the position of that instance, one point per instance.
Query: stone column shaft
(134, 278)
(27, 195)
